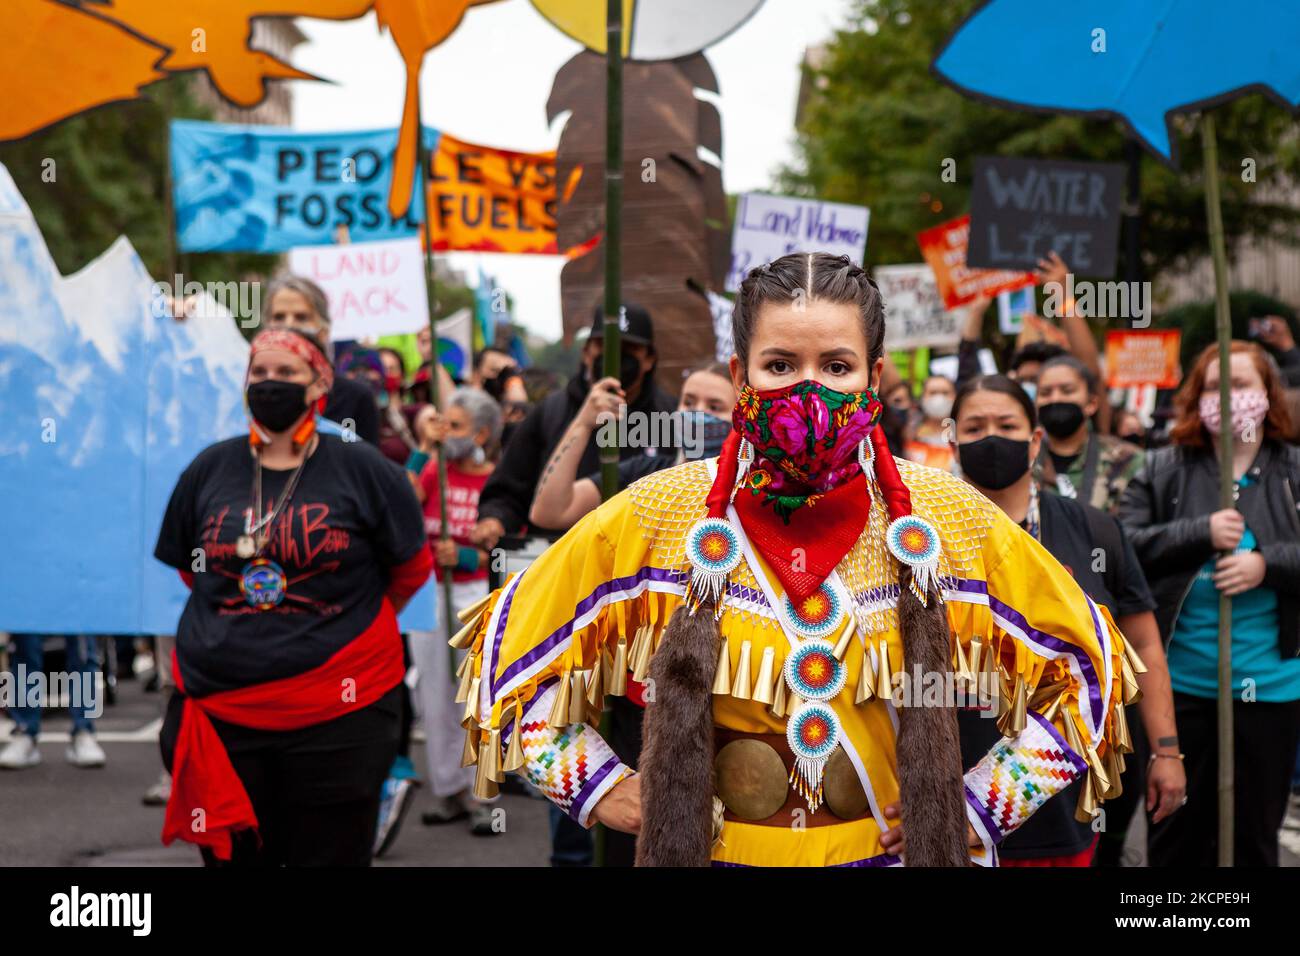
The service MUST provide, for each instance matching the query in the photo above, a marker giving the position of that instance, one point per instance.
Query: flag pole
(431, 295)
(1223, 328)
(613, 220)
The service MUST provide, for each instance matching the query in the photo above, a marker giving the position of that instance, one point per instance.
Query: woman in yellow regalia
(807, 612)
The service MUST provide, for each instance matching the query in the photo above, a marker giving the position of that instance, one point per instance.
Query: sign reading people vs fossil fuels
(264, 189)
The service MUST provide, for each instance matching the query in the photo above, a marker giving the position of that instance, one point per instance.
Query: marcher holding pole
(1199, 555)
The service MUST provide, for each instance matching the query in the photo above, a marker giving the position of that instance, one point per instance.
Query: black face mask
(276, 405)
(629, 371)
(1061, 419)
(994, 462)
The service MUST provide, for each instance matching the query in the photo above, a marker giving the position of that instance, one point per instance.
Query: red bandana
(816, 538)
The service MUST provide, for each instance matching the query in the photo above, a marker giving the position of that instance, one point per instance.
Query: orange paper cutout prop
(117, 47)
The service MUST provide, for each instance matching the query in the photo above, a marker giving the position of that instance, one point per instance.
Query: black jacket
(352, 404)
(1166, 511)
(508, 494)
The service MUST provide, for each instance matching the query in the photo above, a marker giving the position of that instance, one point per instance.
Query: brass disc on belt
(843, 790)
(751, 779)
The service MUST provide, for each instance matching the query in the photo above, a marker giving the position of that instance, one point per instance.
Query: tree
(878, 126)
(100, 175)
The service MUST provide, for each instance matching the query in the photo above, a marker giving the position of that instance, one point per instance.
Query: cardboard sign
(1143, 357)
(1022, 209)
(914, 312)
(944, 248)
(374, 288)
(768, 227)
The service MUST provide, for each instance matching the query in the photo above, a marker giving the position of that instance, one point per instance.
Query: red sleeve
(408, 577)
(188, 578)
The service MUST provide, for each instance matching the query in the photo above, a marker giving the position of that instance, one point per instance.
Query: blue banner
(268, 189)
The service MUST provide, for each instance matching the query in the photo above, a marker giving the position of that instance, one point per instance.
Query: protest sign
(374, 288)
(944, 248)
(1142, 357)
(1012, 309)
(493, 200)
(1022, 209)
(914, 313)
(768, 227)
(267, 189)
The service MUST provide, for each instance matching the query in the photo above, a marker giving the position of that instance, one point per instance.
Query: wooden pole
(1223, 328)
(613, 220)
(431, 295)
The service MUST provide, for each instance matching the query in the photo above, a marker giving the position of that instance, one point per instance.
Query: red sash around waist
(208, 802)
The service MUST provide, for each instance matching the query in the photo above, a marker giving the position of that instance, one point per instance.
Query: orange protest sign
(1143, 357)
(944, 248)
(494, 200)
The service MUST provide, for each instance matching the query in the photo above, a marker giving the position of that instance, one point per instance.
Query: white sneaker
(85, 751)
(20, 753)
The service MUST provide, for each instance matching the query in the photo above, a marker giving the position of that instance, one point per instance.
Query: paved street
(58, 815)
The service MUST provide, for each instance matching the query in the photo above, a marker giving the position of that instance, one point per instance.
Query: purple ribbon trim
(884, 859)
(584, 793)
(565, 631)
(982, 812)
(1055, 643)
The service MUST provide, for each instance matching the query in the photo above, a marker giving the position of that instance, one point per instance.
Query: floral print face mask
(805, 439)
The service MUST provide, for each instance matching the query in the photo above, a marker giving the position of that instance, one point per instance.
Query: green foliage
(1196, 319)
(879, 126)
(109, 180)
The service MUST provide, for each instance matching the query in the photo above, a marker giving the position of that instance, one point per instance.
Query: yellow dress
(596, 601)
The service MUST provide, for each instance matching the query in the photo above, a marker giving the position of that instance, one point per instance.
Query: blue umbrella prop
(1141, 62)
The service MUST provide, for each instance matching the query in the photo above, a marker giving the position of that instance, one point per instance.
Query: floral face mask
(805, 439)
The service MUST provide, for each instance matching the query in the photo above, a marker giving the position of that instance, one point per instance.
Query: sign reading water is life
(1022, 209)
(768, 227)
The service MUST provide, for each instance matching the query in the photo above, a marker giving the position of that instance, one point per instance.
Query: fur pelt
(929, 753)
(676, 764)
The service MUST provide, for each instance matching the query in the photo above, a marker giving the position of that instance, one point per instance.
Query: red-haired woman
(1193, 551)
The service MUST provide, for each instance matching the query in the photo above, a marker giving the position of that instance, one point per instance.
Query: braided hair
(809, 275)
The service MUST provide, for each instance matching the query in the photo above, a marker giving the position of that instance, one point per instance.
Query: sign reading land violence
(374, 288)
(265, 189)
(1146, 357)
(944, 248)
(914, 312)
(768, 227)
(1022, 209)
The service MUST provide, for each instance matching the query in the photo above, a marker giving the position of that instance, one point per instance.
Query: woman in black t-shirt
(299, 548)
(996, 436)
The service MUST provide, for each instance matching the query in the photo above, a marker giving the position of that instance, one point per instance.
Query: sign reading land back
(1022, 209)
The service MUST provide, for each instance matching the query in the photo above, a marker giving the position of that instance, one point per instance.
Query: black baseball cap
(633, 322)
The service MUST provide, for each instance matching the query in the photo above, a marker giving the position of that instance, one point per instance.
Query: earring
(867, 460)
(744, 458)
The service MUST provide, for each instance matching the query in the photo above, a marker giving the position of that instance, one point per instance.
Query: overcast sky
(490, 81)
